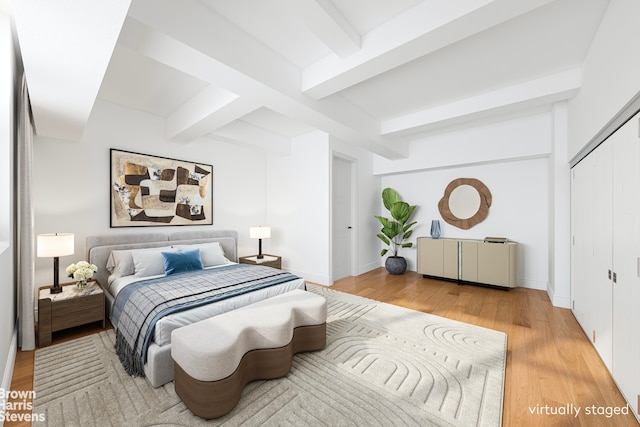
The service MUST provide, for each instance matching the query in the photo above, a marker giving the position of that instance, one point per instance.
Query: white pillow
(120, 262)
(149, 262)
(211, 254)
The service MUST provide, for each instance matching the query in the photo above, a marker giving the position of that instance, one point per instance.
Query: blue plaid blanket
(140, 305)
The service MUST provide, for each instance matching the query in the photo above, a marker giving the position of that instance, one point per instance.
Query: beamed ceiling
(374, 73)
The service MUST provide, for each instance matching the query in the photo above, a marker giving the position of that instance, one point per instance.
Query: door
(430, 256)
(342, 211)
(450, 263)
(626, 261)
(592, 247)
(493, 264)
(582, 177)
(601, 298)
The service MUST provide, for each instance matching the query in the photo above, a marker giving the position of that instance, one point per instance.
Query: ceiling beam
(413, 34)
(244, 59)
(66, 47)
(324, 20)
(210, 109)
(249, 135)
(248, 69)
(542, 91)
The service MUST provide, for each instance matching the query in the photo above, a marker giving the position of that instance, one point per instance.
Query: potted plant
(395, 231)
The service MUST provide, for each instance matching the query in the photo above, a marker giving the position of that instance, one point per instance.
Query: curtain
(25, 239)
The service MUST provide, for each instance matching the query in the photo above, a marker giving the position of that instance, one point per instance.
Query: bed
(113, 255)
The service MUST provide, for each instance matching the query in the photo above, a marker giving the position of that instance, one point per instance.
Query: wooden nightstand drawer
(72, 307)
(75, 312)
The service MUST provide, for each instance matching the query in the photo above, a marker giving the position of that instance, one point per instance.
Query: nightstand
(72, 307)
(268, 260)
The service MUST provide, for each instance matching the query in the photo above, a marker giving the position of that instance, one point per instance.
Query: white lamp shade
(55, 245)
(260, 232)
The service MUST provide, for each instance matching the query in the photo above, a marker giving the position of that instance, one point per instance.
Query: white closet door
(591, 216)
(626, 261)
(602, 297)
(582, 178)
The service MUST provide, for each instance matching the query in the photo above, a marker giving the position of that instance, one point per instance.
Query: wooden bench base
(213, 399)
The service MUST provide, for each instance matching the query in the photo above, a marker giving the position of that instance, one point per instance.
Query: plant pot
(395, 265)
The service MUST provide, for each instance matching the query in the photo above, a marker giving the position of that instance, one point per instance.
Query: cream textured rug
(383, 366)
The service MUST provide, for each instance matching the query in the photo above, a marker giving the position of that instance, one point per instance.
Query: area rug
(383, 366)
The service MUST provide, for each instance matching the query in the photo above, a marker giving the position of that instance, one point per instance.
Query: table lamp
(260, 233)
(55, 245)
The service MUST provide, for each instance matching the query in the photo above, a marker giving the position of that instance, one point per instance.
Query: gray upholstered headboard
(98, 248)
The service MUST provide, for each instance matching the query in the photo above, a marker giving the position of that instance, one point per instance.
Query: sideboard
(466, 260)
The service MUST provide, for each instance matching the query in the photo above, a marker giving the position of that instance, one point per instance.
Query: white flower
(70, 270)
(81, 270)
(83, 273)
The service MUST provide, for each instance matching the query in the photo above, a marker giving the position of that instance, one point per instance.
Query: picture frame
(153, 191)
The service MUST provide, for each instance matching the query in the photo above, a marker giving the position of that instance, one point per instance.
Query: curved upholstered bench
(215, 358)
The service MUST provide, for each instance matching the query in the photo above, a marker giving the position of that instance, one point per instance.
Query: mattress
(164, 326)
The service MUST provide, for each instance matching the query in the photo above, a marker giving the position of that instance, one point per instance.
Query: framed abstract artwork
(158, 191)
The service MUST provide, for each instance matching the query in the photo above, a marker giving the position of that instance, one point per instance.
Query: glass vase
(435, 229)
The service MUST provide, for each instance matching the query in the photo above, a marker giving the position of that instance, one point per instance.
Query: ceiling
(374, 73)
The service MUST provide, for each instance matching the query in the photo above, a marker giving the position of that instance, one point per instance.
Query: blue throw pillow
(179, 262)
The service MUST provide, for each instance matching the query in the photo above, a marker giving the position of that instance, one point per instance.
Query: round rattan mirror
(465, 203)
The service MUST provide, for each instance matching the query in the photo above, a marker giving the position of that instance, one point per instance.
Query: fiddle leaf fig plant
(397, 229)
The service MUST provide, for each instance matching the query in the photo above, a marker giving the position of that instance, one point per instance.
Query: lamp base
(260, 256)
(56, 282)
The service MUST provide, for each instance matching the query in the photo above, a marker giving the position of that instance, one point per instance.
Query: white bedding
(162, 332)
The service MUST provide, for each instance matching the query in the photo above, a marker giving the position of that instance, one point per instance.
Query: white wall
(289, 193)
(515, 168)
(249, 193)
(7, 75)
(299, 209)
(8, 94)
(518, 211)
(72, 190)
(560, 212)
(610, 80)
(610, 73)
(523, 137)
(367, 205)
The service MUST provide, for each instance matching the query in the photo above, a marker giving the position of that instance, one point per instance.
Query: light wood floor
(551, 365)
(550, 361)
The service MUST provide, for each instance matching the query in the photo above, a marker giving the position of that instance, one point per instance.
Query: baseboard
(328, 281)
(370, 266)
(8, 369)
(560, 301)
(533, 284)
(11, 360)
(312, 278)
